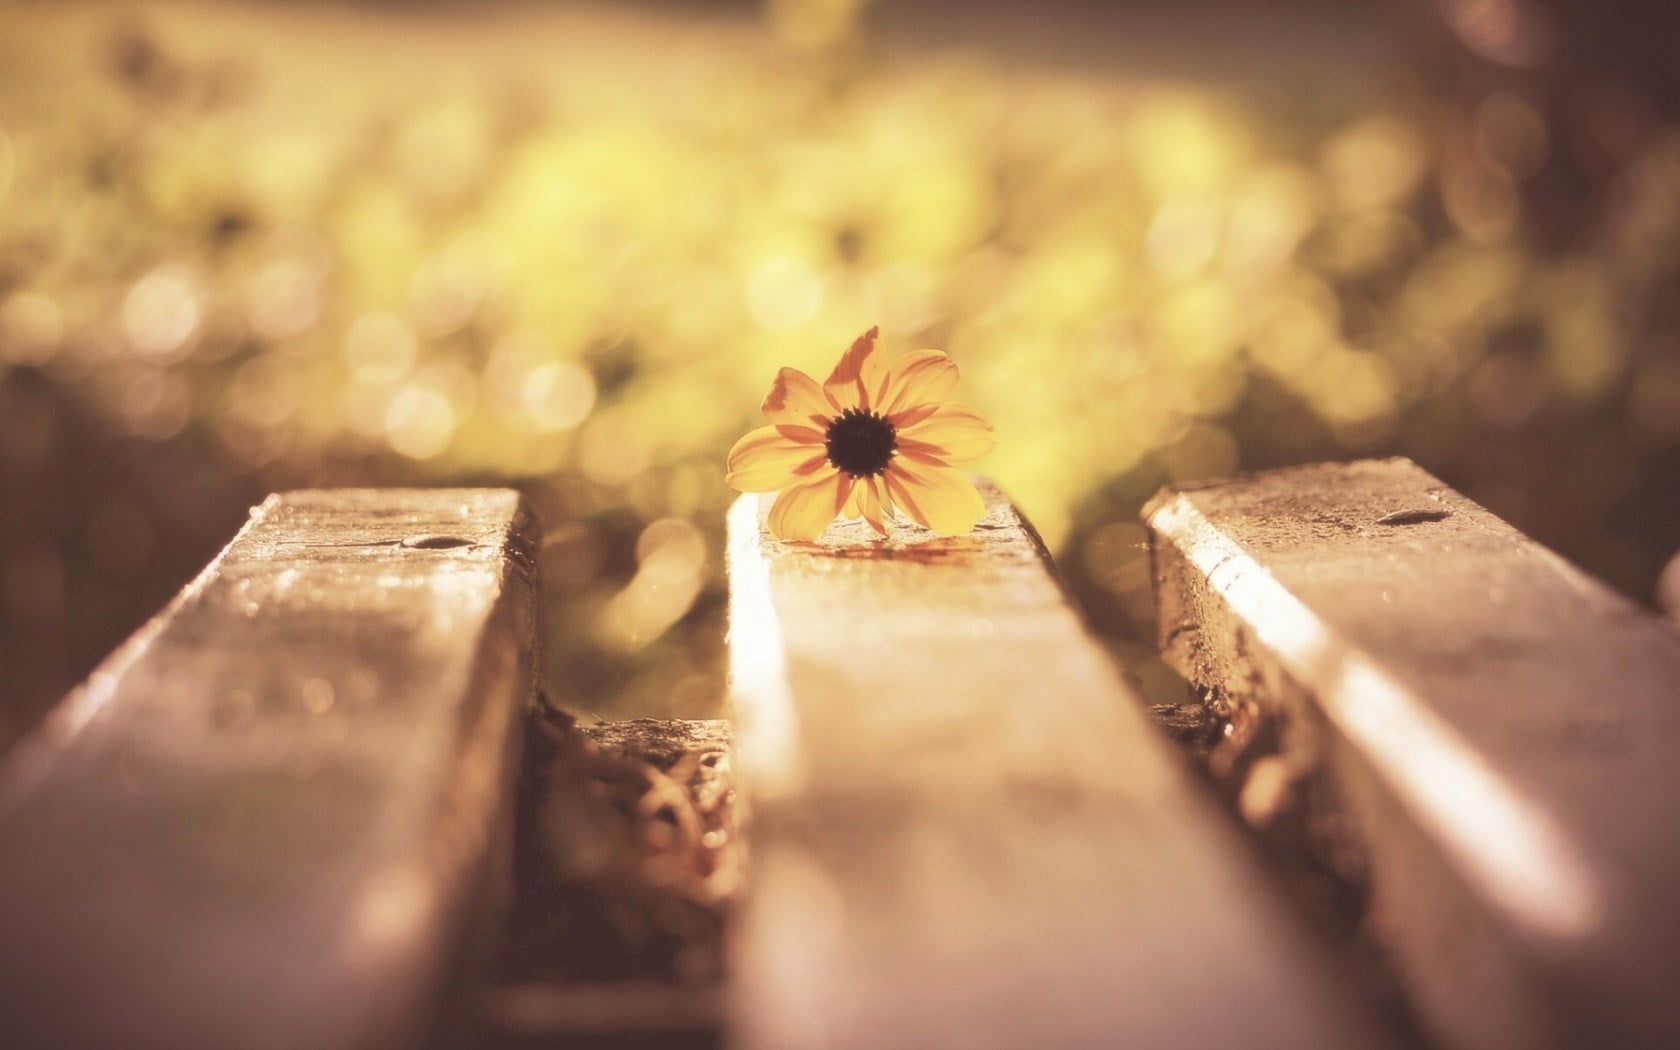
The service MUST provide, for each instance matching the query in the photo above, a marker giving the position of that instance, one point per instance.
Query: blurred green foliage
(250, 246)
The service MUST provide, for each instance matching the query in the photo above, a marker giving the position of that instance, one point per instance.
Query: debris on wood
(628, 860)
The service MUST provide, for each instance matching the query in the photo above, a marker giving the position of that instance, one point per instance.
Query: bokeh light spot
(1375, 163)
(420, 422)
(671, 553)
(612, 449)
(783, 293)
(1183, 236)
(284, 298)
(162, 312)
(558, 395)
(445, 294)
(380, 348)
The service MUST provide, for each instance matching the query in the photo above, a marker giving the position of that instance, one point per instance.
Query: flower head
(871, 440)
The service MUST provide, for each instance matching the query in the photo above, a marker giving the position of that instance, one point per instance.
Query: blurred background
(246, 246)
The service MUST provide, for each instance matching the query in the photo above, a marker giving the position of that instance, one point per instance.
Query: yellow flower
(873, 438)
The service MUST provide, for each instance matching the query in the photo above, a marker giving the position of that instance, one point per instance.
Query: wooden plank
(1502, 731)
(265, 820)
(965, 831)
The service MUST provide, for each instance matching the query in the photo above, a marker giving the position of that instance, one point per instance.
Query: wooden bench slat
(1501, 728)
(262, 822)
(965, 832)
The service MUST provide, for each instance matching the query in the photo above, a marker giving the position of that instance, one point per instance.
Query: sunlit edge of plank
(1528, 868)
(766, 724)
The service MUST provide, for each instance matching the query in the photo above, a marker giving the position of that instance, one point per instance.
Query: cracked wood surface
(966, 832)
(1500, 731)
(264, 821)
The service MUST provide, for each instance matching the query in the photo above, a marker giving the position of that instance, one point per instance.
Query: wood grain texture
(965, 833)
(1502, 731)
(262, 822)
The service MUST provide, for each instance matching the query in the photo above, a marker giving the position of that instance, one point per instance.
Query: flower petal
(858, 380)
(805, 510)
(804, 436)
(925, 377)
(888, 512)
(765, 460)
(853, 509)
(796, 400)
(867, 492)
(952, 434)
(941, 498)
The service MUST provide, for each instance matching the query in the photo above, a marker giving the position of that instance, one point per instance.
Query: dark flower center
(861, 443)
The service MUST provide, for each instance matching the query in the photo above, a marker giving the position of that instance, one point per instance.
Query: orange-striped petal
(852, 508)
(924, 378)
(951, 434)
(859, 380)
(797, 400)
(868, 495)
(805, 510)
(766, 460)
(940, 497)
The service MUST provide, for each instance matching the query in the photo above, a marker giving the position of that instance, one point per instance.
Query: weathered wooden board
(1502, 731)
(965, 832)
(263, 821)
